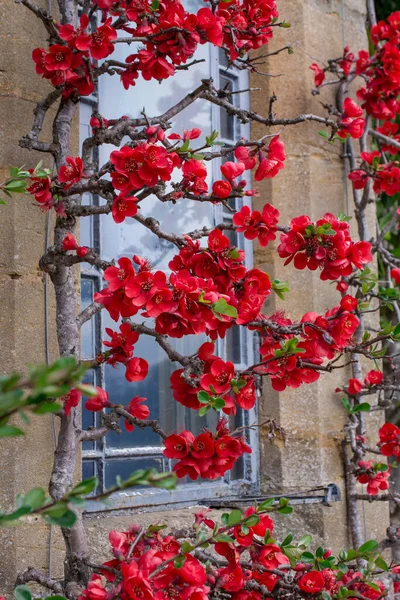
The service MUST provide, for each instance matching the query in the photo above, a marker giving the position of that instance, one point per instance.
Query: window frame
(186, 493)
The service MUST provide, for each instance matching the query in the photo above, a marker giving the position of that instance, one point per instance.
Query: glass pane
(227, 121)
(233, 344)
(88, 350)
(85, 112)
(125, 467)
(88, 469)
(88, 416)
(86, 224)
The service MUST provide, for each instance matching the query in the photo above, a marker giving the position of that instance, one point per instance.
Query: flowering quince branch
(207, 290)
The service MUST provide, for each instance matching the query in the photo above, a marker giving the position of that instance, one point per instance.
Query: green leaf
(203, 397)
(68, 519)
(222, 537)
(22, 592)
(235, 517)
(218, 403)
(17, 514)
(10, 431)
(381, 467)
(346, 404)
(35, 498)
(287, 539)
(286, 510)
(84, 487)
(285, 25)
(369, 546)
(204, 410)
(251, 521)
(325, 595)
(224, 518)
(265, 504)
(363, 407)
(396, 330)
(307, 557)
(56, 510)
(381, 563)
(165, 481)
(179, 561)
(155, 5)
(223, 308)
(187, 547)
(305, 540)
(47, 407)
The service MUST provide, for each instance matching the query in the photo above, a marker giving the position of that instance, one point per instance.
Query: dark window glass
(125, 467)
(227, 121)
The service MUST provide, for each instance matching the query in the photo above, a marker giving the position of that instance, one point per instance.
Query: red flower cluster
(372, 378)
(72, 172)
(325, 244)
(321, 338)
(141, 166)
(382, 71)
(223, 391)
(389, 440)
(173, 35)
(254, 224)
(122, 344)
(63, 67)
(386, 177)
(370, 473)
(70, 243)
(208, 455)
(208, 289)
(351, 124)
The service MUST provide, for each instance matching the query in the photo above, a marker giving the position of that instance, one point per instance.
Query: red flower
(58, 58)
(98, 402)
(187, 467)
(389, 436)
(203, 446)
(69, 242)
(99, 43)
(231, 578)
(351, 127)
(178, 446)
(124, 207)
(82, 251)
(319, 76)
(349, 303)
(119, 277)
(231, 170)
(373, 378)
(354, 386)
(137, 409)
(71, 400)
(311, 582)
(72, 173)
(395, 275)
(136, 369)
(351, 109)
(219, 378)
(95, 589)
(221, 189)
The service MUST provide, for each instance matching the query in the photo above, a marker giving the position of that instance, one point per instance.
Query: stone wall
(312, 182)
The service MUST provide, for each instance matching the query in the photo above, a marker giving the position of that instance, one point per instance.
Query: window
(121, 454)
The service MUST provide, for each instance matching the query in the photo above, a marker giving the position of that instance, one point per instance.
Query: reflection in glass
(125, 467)
(88, 350)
